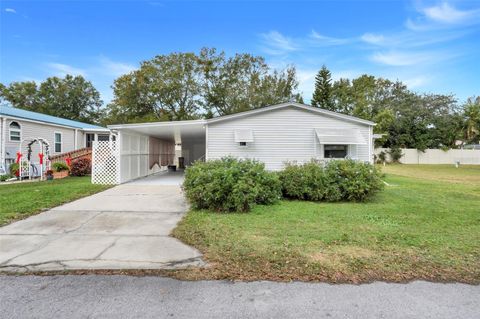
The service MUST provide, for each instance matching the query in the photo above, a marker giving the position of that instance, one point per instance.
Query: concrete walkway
(156, 297)
(125, 227)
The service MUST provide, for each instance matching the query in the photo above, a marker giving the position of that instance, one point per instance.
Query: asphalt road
(157, 297)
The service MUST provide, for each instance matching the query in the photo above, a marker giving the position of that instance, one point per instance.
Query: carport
(143, 149)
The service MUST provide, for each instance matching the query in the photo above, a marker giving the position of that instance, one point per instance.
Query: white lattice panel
(105, 163)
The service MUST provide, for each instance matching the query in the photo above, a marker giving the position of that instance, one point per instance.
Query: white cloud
(416, 82)
(61, 70)
(409, 58)
(372, 38)
(277, 43)
(326, 40)
(113, 68)
(445, 13)
(10, 10)
(395, 58)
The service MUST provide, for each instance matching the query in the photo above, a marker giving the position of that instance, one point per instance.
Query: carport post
(118, 151)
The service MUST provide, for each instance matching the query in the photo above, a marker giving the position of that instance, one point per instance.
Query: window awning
(337, 136)
(243, 136)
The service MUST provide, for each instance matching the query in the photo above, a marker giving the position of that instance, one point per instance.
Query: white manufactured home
(274, 135)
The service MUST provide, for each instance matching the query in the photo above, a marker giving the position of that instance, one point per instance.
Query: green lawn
(417, 228)
(21, 200)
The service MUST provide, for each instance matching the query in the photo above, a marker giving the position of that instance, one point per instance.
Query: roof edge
(294, 104)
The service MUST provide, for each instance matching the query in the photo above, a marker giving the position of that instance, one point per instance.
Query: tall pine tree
(322, 95)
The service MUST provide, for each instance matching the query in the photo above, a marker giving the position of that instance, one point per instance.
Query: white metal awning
(337, 136)
(243, 136)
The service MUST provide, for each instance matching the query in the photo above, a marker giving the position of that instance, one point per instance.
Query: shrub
(395, 154)
(60, 166)
(3, 178)
(351, 180)
(303, 181)
(382, 157)
(230, 185)
(14, 169)
(338, 180)
(81, 167)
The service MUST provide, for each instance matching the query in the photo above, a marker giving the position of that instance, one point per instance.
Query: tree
(165, 88)
(72, 97)
(322, 95)
(471, 115)
(244, 82)
(22, 95)
(182, 86)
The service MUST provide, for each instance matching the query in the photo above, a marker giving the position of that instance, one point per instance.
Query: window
(58, 142)
(103, 137)
(89, 138)
(15, 132)
(335, 151)
(243, 143)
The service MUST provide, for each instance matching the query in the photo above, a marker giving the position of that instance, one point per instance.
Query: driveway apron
(125, 227)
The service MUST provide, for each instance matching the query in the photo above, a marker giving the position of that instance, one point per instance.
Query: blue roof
(29, 115)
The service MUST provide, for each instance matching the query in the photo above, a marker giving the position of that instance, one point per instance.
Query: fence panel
(105, 163)
(436, 156)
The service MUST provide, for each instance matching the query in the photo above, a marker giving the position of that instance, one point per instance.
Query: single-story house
(18, 126)
(274, 135)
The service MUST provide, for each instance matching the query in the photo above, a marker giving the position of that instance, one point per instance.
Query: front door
(89, 138)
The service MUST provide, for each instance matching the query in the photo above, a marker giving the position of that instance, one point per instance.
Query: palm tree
(471, 113)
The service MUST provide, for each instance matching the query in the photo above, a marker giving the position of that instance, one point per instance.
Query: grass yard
(21, 200)
(425, 225)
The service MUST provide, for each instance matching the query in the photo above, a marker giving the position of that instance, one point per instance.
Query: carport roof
(173, 130)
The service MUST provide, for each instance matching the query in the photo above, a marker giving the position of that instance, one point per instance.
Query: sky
(432, 46)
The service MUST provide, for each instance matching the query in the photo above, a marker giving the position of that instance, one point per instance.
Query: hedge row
(231, 185)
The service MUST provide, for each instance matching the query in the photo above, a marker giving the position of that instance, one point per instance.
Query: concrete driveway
(125, 227)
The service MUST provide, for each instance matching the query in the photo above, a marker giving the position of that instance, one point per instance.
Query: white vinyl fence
(105, 162)
(435, 156)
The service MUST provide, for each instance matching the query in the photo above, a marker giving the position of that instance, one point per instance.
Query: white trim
(19, 130)
(75, 136)
(206, 142)
(55, 142)
(289, 104)
(157, 124)
(370, 142)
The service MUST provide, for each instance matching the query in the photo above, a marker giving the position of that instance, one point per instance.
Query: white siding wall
(35, 130)
(282, 135)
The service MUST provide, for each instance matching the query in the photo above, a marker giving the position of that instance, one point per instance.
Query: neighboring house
(18, 127)
(275, 135)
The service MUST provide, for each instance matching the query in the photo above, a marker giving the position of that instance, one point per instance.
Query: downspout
(3, 142)
(75, 141)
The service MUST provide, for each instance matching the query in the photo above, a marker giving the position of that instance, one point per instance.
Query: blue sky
(433, 46)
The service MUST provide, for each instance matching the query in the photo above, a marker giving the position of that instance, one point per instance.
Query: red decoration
(68, 160)
(40, 156)
(19, 156)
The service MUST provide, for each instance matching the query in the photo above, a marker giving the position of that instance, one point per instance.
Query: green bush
(395, 154)
(14, 169)
(230, 185)
(60, 166)
(81, 167)
(3, 178)
(303, 181)
(338, 180)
